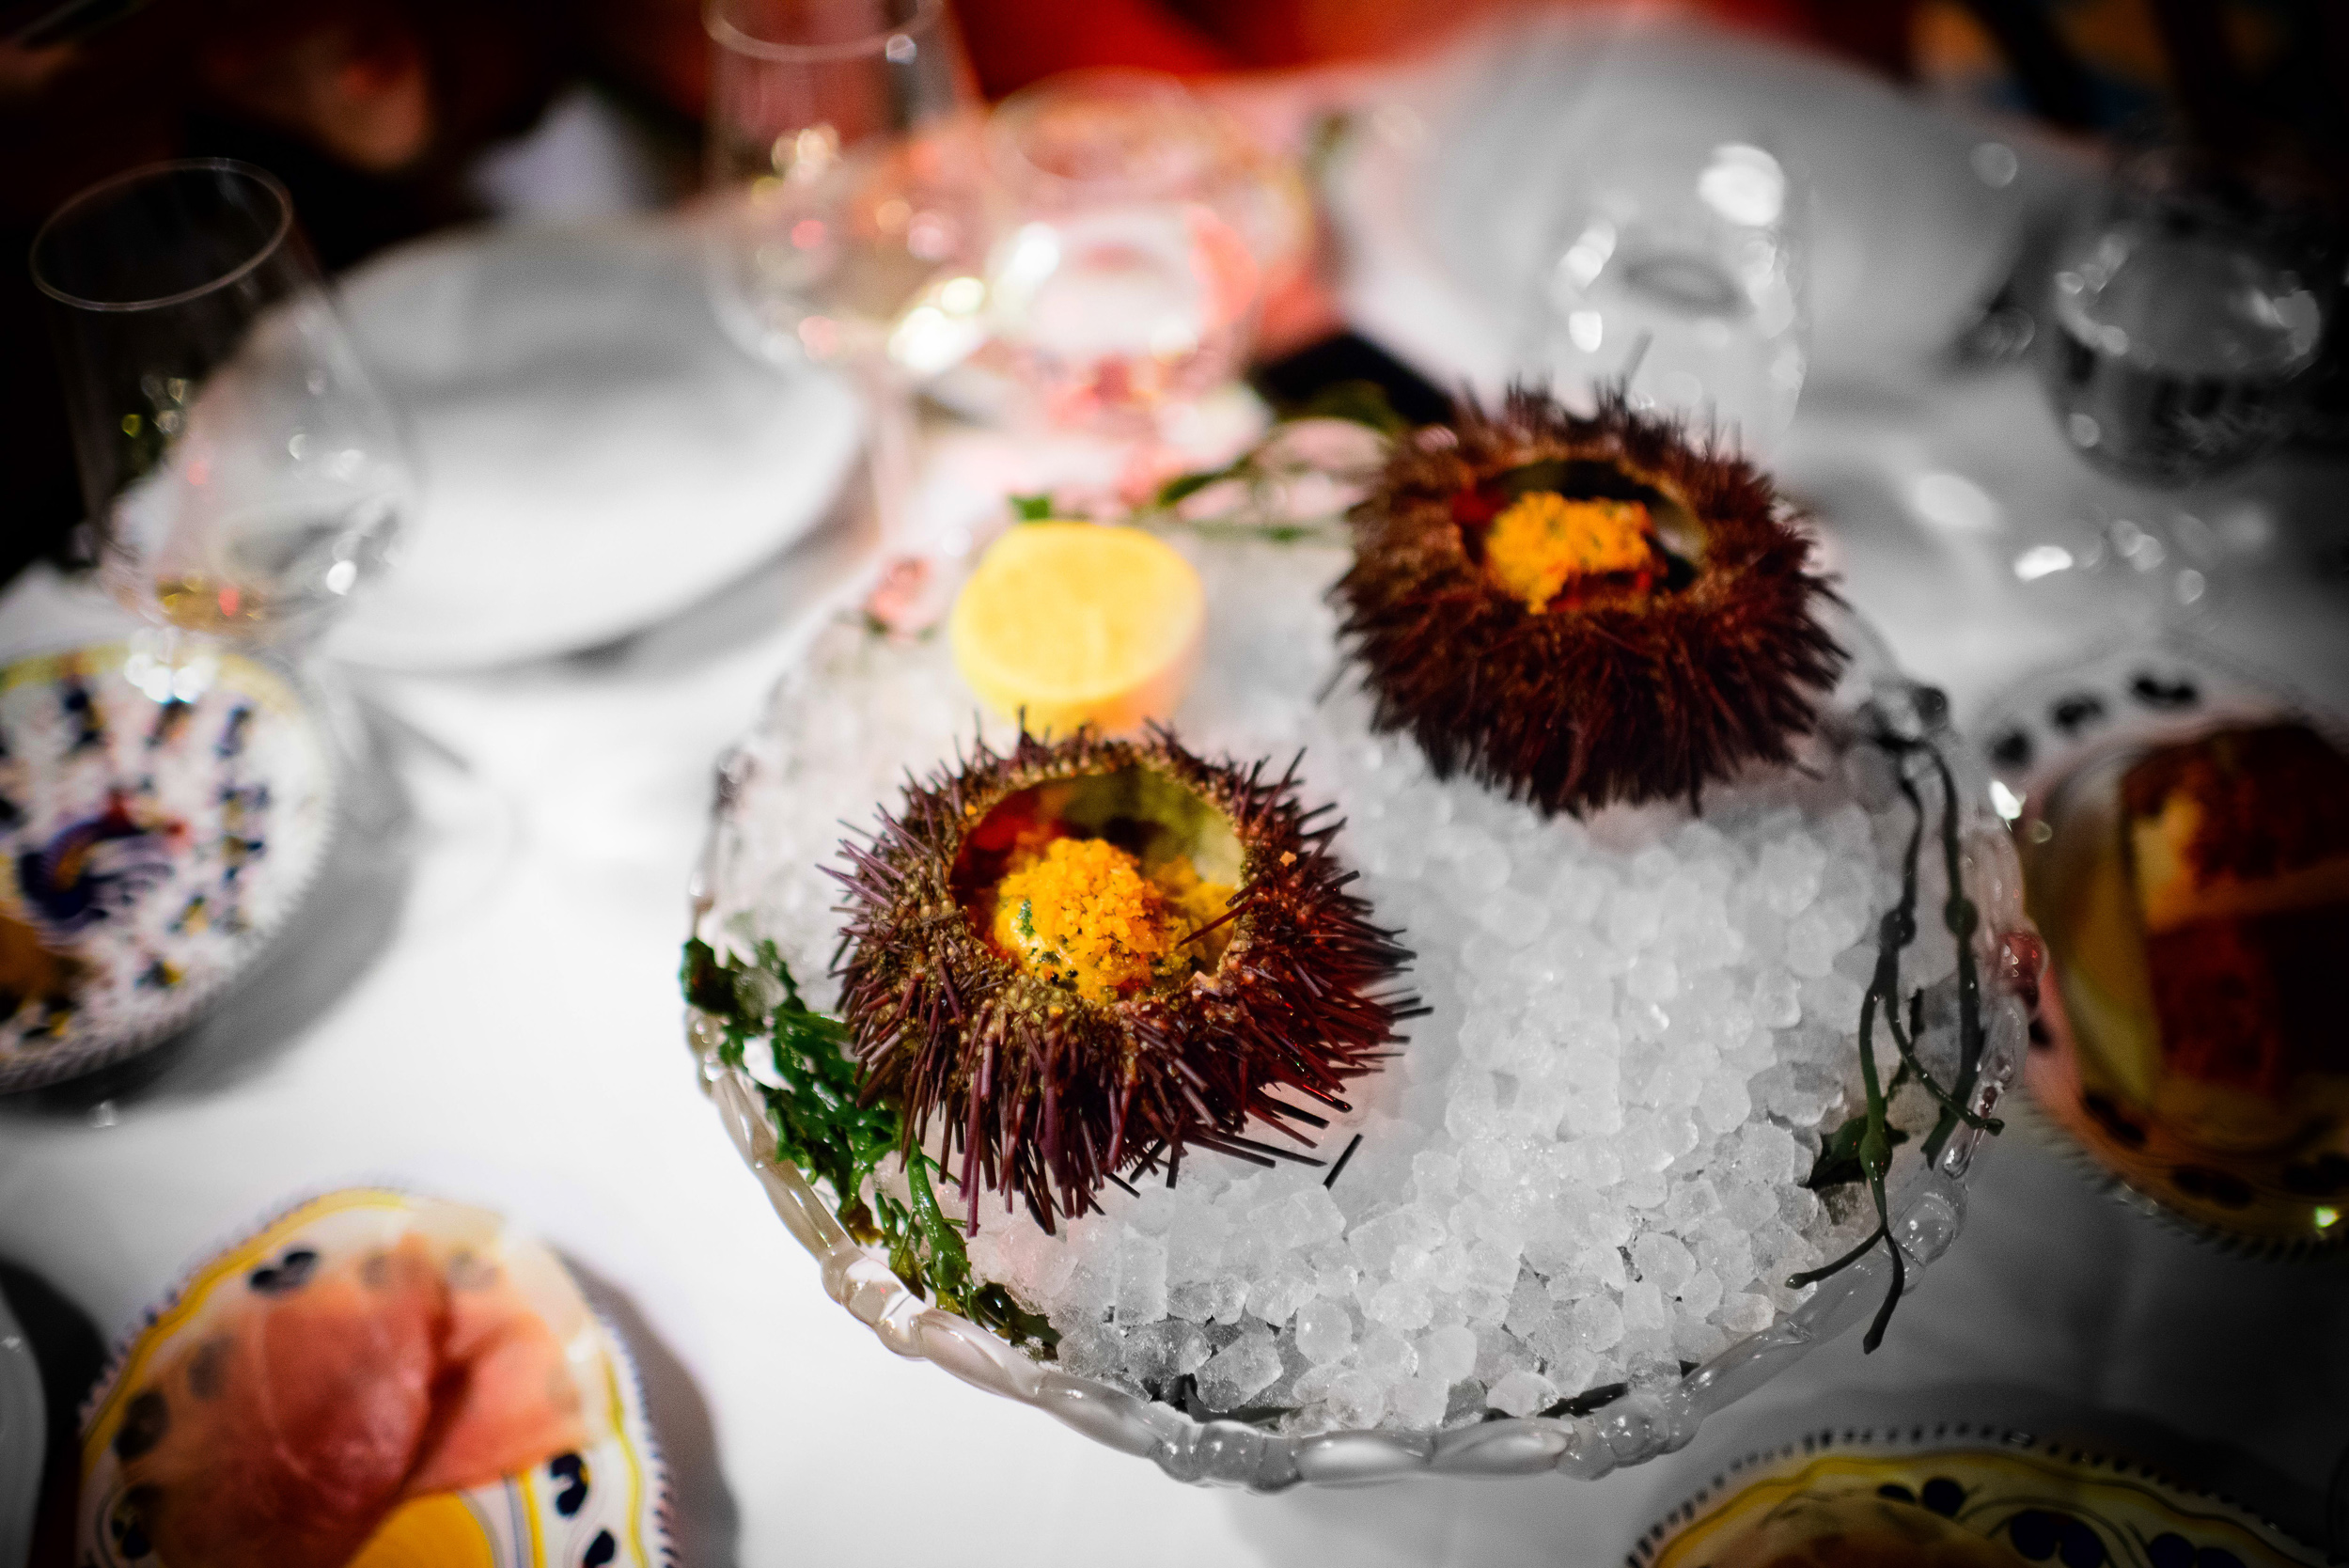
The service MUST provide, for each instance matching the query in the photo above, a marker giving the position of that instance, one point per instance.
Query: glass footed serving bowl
(1497, 905)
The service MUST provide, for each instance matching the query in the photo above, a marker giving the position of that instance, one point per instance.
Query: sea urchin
(1584, 611)
(1091, 954)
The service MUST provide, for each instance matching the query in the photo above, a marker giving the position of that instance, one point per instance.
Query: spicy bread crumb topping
(1084, 912)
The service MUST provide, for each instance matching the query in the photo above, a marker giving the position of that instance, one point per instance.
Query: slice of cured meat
(286, 1434)
(516, 1370)
(371, 1359)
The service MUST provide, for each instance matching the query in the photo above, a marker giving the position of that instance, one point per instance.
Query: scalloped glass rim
(1927, 1213)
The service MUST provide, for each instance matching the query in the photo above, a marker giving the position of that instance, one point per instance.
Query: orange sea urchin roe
(1544, 542)
(1082, 911)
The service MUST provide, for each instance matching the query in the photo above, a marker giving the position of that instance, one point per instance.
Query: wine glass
(243, 473)
(1126, 272)
(849, 217)
(2180, 316)
(1678, 268)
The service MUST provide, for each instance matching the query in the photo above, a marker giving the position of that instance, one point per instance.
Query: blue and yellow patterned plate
(152, 851)
(599, 1500)
(1951, 1493)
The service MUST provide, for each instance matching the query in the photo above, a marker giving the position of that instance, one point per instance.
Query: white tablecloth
(485, 1005)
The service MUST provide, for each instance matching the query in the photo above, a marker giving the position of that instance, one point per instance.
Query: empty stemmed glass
(848, 220)
(2180, 314)
(243, 473)
(1127, 267)
(1678, 268)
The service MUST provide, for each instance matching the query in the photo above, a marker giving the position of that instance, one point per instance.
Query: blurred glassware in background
(243, 472)
(2179, 316)
(1679, 267)
(1135, 228)
(850, 224)
(2140, 563)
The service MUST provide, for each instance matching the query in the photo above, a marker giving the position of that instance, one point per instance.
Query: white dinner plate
(1458, 184)
(596, 455)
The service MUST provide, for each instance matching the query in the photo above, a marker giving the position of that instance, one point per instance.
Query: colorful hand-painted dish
(379, 1381)
(1950, 1496)
(1100, 1088)
(2186, 828)
(152, 849)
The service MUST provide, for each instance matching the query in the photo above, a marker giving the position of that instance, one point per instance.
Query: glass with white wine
(848, 218)
(243, 473)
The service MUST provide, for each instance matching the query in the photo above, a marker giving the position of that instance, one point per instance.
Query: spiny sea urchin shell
(1633, 686)
(1043, 1093)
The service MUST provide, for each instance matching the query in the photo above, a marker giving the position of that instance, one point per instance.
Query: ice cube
(1435, 1174)
(1644, 1309)
(1448, 1354)
(1420, 1402)
(1399, 1305)
(1724, 1103)
(1356, 1400)
(1140, 1267)
(1477, 860)
(1513, 918)
(1388, 1354)
(1746, 1314)
(1241, 1370)
(1325, 1330)
(1691, 1204)
(1653, 977)
(1595, 1323)
(1812, 940)
(1276, 1296)
(1662, 1261)
(1789, 872)
(1632, 917)
(1522, 1392)
(1694, 1338)
(1483, 1303)
(1700, 1293)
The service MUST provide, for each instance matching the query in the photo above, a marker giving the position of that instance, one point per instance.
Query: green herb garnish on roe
(824, 1126)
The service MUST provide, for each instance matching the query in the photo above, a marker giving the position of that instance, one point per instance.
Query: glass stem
(889, 450)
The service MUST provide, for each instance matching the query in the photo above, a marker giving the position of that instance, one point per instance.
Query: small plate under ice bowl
(152, 851)
(1954, 1494)
(2241, 1144)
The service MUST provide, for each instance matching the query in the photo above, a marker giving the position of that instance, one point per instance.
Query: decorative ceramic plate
(1452, 864)
(2267, 1178)
(2041, 1501)
(601, 1502)
(154, 850)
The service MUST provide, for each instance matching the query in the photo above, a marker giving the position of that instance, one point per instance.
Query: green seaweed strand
(1871, 1150)
(1962, 920)
(822, 1127)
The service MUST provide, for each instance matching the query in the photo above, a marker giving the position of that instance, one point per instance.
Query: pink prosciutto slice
(334, 1389)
